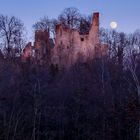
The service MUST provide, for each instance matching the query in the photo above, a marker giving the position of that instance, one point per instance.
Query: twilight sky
(124, 12)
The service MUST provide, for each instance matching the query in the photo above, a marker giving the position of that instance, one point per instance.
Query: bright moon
(113, 25)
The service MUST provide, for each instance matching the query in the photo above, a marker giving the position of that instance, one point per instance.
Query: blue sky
(125, 12)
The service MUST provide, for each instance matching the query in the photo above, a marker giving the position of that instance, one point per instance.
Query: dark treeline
(95, 100)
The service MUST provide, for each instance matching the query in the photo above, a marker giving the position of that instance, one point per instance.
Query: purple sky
(125, 12)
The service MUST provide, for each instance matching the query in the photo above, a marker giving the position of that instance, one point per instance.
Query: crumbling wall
(70, 46)
(70, 43)
(27, 52)
(40, 49)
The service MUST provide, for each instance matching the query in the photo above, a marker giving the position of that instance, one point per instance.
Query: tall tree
(45, 24)
(85, 24)
(11, 34)
(70, 17)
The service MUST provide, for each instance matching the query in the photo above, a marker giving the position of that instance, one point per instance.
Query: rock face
(69, 46)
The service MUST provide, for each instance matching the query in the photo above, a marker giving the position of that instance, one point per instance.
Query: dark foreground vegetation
(95, 100)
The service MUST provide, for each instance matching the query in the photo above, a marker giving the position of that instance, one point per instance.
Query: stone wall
(71, 46)
(27, 52)
(40, 49)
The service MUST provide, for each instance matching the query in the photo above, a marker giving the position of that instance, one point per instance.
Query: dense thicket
(94, 100)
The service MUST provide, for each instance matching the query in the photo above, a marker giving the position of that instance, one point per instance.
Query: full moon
(113, 25)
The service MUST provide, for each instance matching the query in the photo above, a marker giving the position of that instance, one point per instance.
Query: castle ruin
(69, 46)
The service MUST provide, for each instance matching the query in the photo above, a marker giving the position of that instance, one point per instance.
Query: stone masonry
(69, 46)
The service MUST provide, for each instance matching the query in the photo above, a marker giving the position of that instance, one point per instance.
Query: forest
(95, 100)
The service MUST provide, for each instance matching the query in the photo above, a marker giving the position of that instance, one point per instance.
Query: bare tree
(70, 17)
(132, 58)
(11, 34)
(85, 24)
(44, 24)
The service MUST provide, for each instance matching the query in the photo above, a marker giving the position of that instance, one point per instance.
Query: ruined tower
(41, 44)
(41, 48)
(94, 30)
(70, 44)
